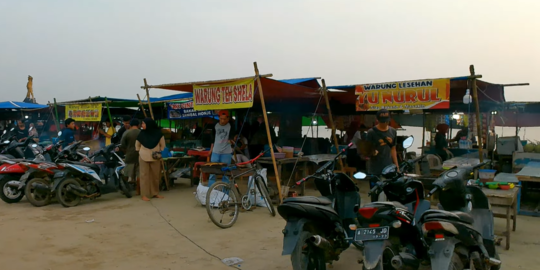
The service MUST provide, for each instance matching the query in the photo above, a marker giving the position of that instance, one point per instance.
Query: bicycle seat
(309, 200)
(454, 215)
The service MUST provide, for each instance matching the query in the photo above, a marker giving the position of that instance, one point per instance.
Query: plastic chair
(434, 160)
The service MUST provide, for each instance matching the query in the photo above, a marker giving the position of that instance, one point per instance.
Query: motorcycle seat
(309, 200)
(454, 215)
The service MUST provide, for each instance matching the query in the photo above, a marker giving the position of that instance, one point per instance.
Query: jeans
(221, 158)
(372, 182)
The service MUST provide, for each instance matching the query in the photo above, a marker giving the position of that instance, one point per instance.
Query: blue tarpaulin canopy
(16, 105)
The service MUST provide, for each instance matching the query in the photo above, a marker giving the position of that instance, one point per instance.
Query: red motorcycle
(15, 173)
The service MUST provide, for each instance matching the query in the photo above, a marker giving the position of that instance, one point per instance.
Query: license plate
(367, 234)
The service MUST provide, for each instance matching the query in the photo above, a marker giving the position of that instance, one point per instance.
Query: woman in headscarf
(441, 144)
(150, 141)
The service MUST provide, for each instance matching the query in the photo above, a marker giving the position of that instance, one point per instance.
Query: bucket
(289, 151)
(486, 175)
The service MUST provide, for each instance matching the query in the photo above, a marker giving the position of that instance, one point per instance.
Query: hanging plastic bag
(216, 196)
(251, 185)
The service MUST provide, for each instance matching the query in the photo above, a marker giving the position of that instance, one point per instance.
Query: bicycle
(221, 196)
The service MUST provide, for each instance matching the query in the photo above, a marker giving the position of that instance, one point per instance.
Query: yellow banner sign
(409, 95)
(233, 95)
(84, 112)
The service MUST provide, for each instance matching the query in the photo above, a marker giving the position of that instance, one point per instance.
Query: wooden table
(301, 161)
(173, 162)
(199, 154)
(504, 205)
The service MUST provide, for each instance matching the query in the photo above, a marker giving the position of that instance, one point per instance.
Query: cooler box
(509, 145)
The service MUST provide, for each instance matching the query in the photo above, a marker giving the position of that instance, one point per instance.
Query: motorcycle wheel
(126, 188)
(36, 197)
(306, 256)
(9, 194)
(66, 198)
(386, 260)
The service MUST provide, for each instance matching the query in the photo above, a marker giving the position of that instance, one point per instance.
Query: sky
(77, 49)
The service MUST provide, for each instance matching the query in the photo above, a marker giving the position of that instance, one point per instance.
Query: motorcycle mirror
(30, 129)
(34, 145)
(12, 129)
(360, 175)
(408, 142)
(4, 132)
(6, 141)
(59, 133)
(86, 149)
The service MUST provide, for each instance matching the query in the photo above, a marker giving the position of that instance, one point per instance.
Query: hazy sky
(76, 49)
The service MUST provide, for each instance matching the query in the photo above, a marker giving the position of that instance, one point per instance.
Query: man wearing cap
(221, 149)
(383, 140)
(120, 133)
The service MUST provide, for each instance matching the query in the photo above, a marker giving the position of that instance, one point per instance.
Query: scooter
(319, 229)
(38, 188)
(462, 235)
(80, 180)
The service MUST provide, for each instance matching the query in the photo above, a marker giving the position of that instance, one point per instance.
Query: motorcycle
(11, 169)
(460, 234)
(388, 233)
(80, 180)
(38, 188)
(319, 229)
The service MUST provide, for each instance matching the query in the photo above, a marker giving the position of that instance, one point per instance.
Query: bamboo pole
(148, 99)
(325, 92)
(141, 104)
(478, 123)
(263, 105)
(57, 123)
(165, 86)
(110, 116)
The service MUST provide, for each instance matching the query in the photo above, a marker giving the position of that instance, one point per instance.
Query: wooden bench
(504, 205)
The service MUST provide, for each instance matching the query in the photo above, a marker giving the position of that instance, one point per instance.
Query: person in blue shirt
(68, 134)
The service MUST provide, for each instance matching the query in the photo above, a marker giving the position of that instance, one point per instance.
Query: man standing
(21, 131)
(382, 138)
(126, 121)
(68, 134)
(132, 156)
(221, 149)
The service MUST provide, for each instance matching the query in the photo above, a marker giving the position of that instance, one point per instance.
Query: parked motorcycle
(11, 169)
(318, 229)
(388, 230)
(462, 235)
(80, 180)
(38, 188)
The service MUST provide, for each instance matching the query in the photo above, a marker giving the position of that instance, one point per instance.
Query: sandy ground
(113, 232)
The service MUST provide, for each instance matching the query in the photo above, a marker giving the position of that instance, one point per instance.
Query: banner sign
(409, 95)
(184, 110)
(84, 112)
(233, 95)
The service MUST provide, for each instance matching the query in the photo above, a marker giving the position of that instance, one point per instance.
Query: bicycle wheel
(259, 181)
(222, 205)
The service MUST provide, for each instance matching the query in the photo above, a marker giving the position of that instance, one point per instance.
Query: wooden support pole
(423, 132)
(478, 123)
(263, 105)
(148, 99)
(141, 104)
(325, 93)
(57, 120)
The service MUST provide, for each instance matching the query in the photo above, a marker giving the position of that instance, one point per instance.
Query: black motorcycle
(462, 235)
(389, 234)
(319, 229)
(83, 180)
